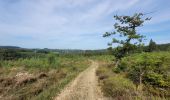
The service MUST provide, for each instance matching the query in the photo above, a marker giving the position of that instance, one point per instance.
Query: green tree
(147, 68)
(125, 34)
(141, 67)
(152, 46)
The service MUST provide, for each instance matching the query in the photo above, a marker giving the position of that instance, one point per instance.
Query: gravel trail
(84, 87)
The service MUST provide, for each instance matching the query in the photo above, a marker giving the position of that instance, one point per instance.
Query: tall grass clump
(48, 61)
(119, 87)
(113, 85)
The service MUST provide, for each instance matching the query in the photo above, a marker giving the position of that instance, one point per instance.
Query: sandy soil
(84, 87)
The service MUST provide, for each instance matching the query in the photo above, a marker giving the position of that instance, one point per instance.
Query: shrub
(118, 86)
(156, 79)
(51, 59)
(148, 69)
(102, 73)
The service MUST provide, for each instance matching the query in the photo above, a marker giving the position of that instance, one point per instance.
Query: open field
(84, 50)
(37, 78)
(47, 76)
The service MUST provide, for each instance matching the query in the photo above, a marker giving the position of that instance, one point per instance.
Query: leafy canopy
(125, 34)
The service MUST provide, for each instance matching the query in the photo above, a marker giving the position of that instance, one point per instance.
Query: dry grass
(113, 85)
(25, 83)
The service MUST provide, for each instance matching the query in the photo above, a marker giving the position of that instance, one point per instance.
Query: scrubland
(38, 78)
(144, 76)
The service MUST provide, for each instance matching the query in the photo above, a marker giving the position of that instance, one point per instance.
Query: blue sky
(76, 24)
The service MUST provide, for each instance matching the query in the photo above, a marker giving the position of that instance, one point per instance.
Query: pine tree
(152, 46)
(126, 34)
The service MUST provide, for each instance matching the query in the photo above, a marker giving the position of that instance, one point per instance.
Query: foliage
(155, 80)
(114, 85)
(118, 86)
(152, 46)
(149, 69)
(128, 36)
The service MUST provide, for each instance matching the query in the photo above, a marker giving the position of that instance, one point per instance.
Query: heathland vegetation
(26, 74)
(127, 72)
(137, 71)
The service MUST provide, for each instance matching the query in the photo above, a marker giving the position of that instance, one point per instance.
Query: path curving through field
(84, 87)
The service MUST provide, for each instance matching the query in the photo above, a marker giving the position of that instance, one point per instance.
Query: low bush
(115, 85)
(102, 73)
(149, 69)
(118, 87)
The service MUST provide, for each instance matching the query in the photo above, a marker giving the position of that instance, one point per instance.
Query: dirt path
(84, 87)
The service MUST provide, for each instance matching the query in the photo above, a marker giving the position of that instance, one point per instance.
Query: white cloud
(52, 19)
(43, 16)
(160, 17)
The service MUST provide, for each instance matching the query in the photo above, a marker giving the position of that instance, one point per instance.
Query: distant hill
(9, 47)
(61, 51)
(163, 47)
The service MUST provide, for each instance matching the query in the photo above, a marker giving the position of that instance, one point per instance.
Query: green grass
(55, 75)
(61, 69)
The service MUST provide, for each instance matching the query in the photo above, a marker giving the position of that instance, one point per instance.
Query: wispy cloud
(72, 21)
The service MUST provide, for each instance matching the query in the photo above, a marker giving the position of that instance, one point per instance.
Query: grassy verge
(114, 85)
